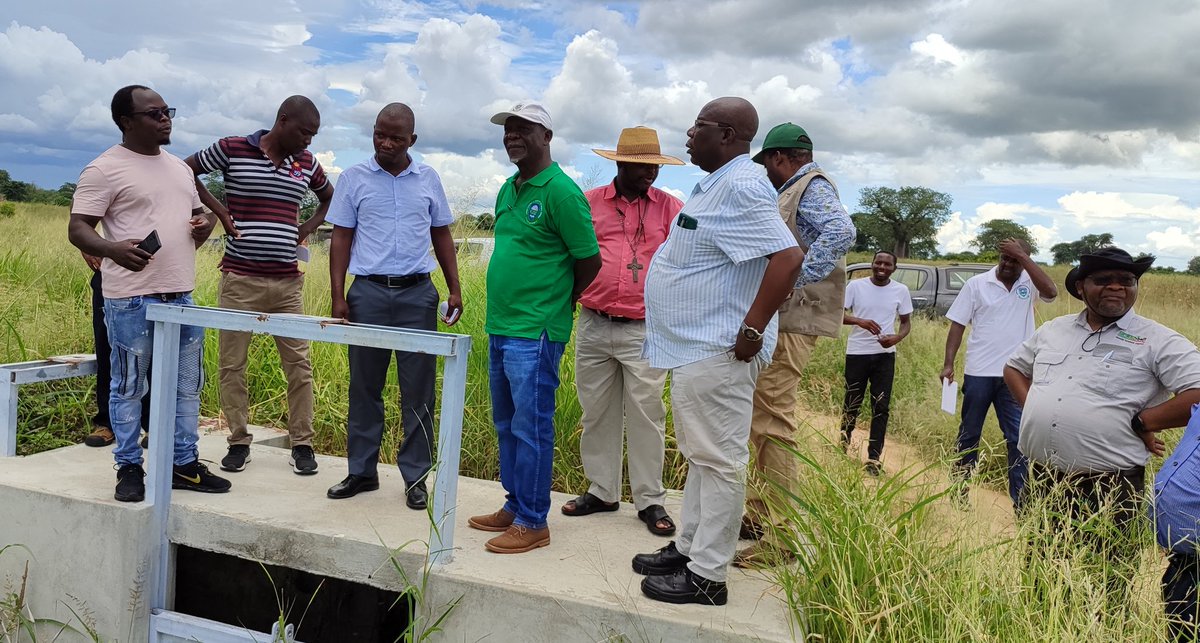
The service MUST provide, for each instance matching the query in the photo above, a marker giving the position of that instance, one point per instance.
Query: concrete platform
(580, 588)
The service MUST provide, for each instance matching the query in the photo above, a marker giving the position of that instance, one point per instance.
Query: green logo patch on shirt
(534, 212)
(1132, 339)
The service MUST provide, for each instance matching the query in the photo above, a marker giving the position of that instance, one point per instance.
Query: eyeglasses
(157, 113)
(1124, 281)
(703, 123)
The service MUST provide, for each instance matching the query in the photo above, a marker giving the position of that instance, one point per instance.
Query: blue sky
(1073, 117)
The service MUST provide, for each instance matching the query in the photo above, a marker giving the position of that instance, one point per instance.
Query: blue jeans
(978, 394)
(524, 378)
(132, 340)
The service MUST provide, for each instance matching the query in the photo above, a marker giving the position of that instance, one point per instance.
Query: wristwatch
(1136, 424)
(750, 333)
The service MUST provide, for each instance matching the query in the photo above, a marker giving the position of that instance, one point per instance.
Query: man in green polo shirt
(546, 255)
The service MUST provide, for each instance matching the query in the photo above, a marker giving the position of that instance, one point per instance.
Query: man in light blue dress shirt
(712, 292)
(386, 212)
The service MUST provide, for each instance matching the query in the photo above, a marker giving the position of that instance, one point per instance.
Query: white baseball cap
(530, 111)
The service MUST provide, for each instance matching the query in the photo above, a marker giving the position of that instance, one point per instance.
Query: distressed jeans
(132, 339)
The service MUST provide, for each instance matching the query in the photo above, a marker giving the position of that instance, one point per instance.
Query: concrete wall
(81, 554)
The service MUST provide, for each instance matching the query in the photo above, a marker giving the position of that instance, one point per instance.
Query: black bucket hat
(1106, 259)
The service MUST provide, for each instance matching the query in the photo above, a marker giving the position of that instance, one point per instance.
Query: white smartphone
(302, 254)
(444, 308)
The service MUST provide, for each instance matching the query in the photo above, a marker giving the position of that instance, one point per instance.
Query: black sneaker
(131, 483)
(236, 459)
(303, 462)
(194, 476)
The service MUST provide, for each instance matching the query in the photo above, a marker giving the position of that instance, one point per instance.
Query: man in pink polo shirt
(617, 387)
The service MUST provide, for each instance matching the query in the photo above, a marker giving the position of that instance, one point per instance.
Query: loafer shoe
(352, 486)
(518, 540)
(664, 561)
(499, 520)
(417, 496)
(101, 437)
(683, 586)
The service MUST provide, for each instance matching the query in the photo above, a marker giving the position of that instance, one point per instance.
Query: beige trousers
(621, 396)
(268, 295)
(710, 403)
(773, 425)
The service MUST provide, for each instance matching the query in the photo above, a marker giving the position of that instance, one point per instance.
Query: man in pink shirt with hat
(621, 394)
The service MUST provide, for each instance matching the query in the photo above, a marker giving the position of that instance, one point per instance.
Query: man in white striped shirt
(712, 292)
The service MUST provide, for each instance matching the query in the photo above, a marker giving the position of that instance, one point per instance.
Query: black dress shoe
(417, 496)
(664, 561)
(352, 486)
(682, 587)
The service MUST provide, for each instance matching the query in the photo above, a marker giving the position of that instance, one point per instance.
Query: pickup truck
(933, 288)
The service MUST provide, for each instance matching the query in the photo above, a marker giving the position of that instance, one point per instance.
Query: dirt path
(990, 512)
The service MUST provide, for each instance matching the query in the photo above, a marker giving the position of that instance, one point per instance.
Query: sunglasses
(157, 113)
(1125, 281)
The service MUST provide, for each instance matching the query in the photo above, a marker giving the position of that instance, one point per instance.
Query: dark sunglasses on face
(1125, 281)
(157, 113)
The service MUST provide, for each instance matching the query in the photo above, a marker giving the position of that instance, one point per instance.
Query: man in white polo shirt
(998, 305)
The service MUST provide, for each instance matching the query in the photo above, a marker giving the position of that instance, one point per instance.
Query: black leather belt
(403, 281)
(167, 296)
(614, 318)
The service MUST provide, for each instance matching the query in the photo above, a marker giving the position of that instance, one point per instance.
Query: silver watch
(750, 333)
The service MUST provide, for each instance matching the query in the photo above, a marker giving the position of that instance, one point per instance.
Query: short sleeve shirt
(134, 194)
(541, 230)
(879, 304)
(1087, 385)
(391, 217)
(703, 279)
(1000, 319)
(264, 202)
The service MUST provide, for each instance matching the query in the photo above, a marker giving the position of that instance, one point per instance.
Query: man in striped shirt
(712, 293)
(267, 175)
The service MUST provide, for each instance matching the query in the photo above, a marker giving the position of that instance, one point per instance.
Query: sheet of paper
(302, 253)
(949, 395)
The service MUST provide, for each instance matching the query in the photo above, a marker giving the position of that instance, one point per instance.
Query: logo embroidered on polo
(1132, 339)
(1023, 292)
(534, 212)
(297, 172)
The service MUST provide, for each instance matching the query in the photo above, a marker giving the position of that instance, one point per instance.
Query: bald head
(398, 112)
(296, 107)
(737, 112)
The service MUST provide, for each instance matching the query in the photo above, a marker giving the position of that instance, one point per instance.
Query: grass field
(884, 567)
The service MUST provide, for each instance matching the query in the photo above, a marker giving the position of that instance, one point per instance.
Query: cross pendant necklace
(639, 235)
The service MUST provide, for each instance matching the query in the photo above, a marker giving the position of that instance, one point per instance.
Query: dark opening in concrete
(239, 592)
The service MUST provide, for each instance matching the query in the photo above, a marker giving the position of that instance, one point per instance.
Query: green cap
(782, 137)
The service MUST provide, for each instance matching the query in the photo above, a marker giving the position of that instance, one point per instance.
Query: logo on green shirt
(534, 212)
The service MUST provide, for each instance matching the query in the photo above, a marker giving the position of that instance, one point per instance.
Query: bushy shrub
(7, 209)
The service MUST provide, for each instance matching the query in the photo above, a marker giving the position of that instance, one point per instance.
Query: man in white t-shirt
(871, 349)
(146, 200)
(998, 305)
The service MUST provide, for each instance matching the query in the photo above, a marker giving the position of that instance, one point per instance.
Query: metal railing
(168, 319)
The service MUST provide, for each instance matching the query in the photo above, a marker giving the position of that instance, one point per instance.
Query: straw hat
(638, 145)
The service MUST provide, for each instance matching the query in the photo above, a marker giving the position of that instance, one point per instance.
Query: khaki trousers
(268, 295)
(773, 426)
(621, 396)
(710, 400)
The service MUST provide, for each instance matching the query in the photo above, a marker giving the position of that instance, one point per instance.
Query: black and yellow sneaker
(131, 483)
(194, 476)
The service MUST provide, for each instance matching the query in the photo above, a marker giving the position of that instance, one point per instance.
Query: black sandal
(588, 504)
(655, 514)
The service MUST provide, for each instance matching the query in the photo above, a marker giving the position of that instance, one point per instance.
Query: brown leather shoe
(499, 521)
(518, 540)
(101, 437)
(759, 556)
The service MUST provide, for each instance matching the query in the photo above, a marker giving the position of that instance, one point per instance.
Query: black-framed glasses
(703, 123)
(157, 113)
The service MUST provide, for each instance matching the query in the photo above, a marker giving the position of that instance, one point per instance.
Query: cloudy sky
(1069, 116)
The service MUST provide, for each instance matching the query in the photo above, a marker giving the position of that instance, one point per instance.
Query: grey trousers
(411, 307)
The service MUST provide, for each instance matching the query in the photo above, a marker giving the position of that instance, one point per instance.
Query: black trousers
(414, 307)
(877, 371)
(104, 360)
(1179, 595)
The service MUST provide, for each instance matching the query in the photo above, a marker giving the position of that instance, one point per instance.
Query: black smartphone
(151, 243)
